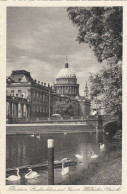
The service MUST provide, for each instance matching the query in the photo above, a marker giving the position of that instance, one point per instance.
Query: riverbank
(24, 129)
(106, 170)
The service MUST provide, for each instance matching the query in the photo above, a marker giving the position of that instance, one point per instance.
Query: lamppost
(49, 103)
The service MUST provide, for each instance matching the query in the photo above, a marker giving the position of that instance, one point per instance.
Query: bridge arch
(111, 127)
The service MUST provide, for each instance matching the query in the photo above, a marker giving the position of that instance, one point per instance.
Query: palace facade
(29, 99)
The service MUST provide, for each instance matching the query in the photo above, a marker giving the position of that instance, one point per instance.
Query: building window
(46, 110)
(33, 94)
(37, 108)
(43, 97)
(37, 95)
(43, 109)
(48, 97)
(34, 108)
(40, 108)
(12, 92)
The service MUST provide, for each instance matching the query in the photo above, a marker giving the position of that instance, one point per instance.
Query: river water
(32, 149)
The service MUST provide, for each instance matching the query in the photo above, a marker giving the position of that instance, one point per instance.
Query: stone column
(61, 90)
(16, 110)
(24, 111)
(29, 94)
(7, 108)
(28, 112)
(76, 91)
(19, 110)
(70, 89)
(12, 109)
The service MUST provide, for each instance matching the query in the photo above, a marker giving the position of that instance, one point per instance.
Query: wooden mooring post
(50, 144)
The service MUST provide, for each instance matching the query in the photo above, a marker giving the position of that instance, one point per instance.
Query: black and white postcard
(63, 96)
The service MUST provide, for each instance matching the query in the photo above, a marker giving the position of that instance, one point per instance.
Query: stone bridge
(100, 121)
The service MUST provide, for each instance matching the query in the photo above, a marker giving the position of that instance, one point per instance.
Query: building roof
(21, 76)
(66, 72)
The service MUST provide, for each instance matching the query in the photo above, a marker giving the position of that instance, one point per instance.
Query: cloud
(39, 39)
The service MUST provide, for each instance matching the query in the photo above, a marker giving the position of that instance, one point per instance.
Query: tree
(66, 108)
(108, 84)
(101, 28)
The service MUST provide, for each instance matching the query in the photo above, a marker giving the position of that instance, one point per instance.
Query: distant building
(20, 83)
(66, 82)
(86, 92)
(29, 99)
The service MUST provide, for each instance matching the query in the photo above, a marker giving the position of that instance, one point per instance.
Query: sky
(40, 38)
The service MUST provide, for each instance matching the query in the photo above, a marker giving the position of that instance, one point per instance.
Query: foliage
(101, 28)
(117, 139)
(65, 108)
(109, 83)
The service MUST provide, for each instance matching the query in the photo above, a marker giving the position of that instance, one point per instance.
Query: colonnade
(73, 90)
(17, 110)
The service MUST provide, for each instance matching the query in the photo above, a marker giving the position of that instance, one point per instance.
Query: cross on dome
(66, 63)
(66, 60)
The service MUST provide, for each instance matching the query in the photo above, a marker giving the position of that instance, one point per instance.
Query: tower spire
(66, 60)
(66, 63)
(86, 91)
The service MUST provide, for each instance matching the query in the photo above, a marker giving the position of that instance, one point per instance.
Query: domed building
(66, 82)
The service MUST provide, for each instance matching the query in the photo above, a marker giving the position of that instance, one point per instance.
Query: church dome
(66, 82)
(66, 73)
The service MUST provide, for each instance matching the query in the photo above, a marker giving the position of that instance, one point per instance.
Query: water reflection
(28, 150)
